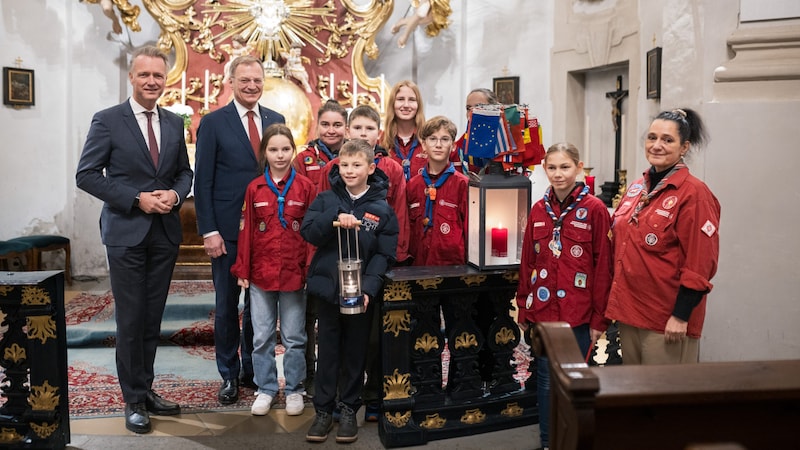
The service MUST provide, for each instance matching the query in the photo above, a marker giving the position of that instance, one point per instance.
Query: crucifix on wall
(610, 188)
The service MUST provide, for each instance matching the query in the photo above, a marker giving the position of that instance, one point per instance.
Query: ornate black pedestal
(416, 408)
(33, 356)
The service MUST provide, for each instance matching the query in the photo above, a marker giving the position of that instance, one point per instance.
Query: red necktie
(255, 139)
(151, 138)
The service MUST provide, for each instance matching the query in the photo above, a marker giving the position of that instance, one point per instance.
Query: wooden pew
(746, 404)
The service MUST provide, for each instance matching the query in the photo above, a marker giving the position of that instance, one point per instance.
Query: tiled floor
(241, 430)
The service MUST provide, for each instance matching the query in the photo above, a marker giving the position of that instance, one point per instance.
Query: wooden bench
(746, 404)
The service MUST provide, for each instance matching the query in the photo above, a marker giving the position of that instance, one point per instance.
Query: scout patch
(708, 228)
(536, 248)
(543, 273)
(308, 160)
(370, 222)
(576, 251)
(581, 213)
(634, 190)
(651, 239)
(561, 293)
(543, 294)
(533, 276)
(262, 227)
(295, 225)
(580, 280)
(529, 301)
(669, 202)
(444, 228)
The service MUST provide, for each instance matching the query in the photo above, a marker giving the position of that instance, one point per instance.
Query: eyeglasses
(246, 81)
(432, 140)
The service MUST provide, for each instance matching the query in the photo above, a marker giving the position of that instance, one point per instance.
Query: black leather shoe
(136, 418)
(229, 392)
(160, 407)
(248, 382)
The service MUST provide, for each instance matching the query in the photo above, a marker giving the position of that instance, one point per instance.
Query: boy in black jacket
(358, 194)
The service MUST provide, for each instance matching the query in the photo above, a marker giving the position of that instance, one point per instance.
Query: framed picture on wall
(507, 89)
(654, 73)
(18, 87)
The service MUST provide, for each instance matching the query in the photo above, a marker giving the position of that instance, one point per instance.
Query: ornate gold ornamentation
(44, 397)
(473, 416)
(512, 276)
(512, 410)
(504, 336)
(396, 386)
(34, 295)
(14, 353)
(426, 343)
(340, 38)
(4, 290)
(430, 283)
(44, 430)
(466, 340)
(433, 422)
(473, 280)
(9, 436)
(396, 321)
(398, 420)
(41, 327)
(397, 291)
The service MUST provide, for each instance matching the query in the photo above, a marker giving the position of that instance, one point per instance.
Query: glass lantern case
(499, 205)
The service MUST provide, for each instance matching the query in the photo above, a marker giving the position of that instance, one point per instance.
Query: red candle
(500, 242)
(590, 182)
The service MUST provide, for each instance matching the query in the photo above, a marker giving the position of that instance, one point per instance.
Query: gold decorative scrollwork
(512, 410)
(14, 353)
(44, 397)
(426, 343)
(396, 386)
(44, 430)
(9, 436)
(466, 340)
(41, 327)
(34, 295)
(473, 416)
(397, 291)
(433, 422)
(398, 420)
(512, 276)
(396, 321)
(504, 336)
(430, 283)
(4, 290)
(473, 280)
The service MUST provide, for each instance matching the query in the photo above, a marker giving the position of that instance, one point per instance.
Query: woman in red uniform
(565, 269)
(331, 127)
(666, 247)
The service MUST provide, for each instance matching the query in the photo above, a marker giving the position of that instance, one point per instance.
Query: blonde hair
(390, 127)
(565, 147)
(435, 124)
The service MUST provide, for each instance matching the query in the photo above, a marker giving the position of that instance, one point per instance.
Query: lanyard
(430, 193)
(281, 195)
(555, 243)
(406, 158)
(646, 196)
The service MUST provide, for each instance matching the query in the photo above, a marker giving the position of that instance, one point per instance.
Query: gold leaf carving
(396, 321)
(466, 340)
(396, 386)
(44, 397)
(433, 422)
(397, 291)
(426, 343)
(504, 336)
(9, 436)
(44, 430)
(14, 353)
(34, 295)
(473, 280)
(397, 419)
(512, 276)
(473, 416)
(41, 327)
(512, 410)
(430, 283)
(4, 290)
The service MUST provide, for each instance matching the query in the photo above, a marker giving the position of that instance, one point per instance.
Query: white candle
(355, 90)
(183, 88)
(330, 87)
(205, 106)
(383, 94)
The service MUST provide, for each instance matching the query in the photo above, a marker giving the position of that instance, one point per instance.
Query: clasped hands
(157, 202)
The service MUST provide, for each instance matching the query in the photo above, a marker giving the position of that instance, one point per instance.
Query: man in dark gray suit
(227, 140)
(135, 161)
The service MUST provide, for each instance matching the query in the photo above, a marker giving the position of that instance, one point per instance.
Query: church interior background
(736, 62)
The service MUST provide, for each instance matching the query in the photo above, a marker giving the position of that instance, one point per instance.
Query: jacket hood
(378, 184)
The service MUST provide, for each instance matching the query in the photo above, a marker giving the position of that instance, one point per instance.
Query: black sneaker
(348, 428)
(319, 430)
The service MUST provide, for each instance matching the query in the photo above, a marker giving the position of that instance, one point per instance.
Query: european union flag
(483, 128)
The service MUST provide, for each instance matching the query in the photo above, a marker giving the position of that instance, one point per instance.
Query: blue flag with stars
(483, 130)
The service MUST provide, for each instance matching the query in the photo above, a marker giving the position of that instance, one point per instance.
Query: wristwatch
(136, 201)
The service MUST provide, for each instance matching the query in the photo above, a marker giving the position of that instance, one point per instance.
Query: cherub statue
(294, 66)
(111, 13)
(433, 13)
(238, 47)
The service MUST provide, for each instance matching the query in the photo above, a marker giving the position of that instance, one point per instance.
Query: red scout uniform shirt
(396, 196)
(409, 155)
(574, 286)
(270, 256)
(443, 243)
(675, 243)
(310, 162)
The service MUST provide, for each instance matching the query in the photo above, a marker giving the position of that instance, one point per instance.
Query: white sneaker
(261, 405)
(294, 404)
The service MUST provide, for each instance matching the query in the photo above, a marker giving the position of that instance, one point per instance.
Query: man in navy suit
(135, 161)
(227, 140)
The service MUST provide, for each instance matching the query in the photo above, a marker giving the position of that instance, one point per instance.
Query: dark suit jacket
(225, 164)
(115, 144)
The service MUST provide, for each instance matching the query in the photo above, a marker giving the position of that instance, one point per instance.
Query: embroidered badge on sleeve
(708, 228)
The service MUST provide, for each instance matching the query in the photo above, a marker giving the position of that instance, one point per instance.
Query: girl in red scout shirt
(272, 263)
(403, 118)
(437, 201)
(331, 127)
(666, 238)
(565, 269)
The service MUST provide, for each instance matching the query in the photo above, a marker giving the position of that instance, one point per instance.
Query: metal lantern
(351, 299)
(499, 205)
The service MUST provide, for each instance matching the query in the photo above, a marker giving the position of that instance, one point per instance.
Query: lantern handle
(336, 223)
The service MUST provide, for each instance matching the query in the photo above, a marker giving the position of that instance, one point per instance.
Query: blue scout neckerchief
(430, 192)
(281, 195)
(406, 158)
(325, 149)
(555, 242)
